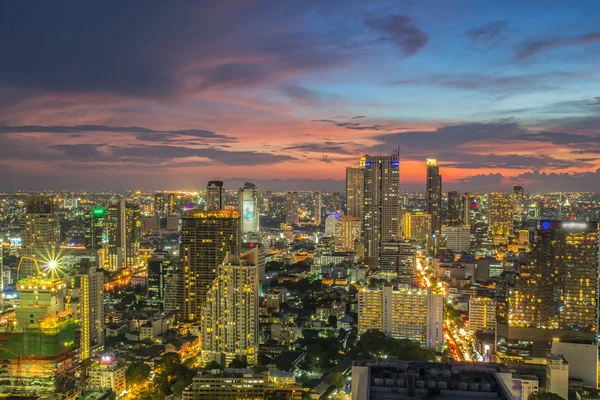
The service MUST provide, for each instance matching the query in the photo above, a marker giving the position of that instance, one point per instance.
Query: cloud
(364, 116)
(560, 181)
(595, 102)
(560, 138)
(483, 179)
(346, 148)
(401, 31)
(353, 125)
(535, 47)
(308, 96)
(489, 32)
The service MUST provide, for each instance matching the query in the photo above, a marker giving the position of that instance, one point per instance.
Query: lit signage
(574, 225)
(248, 210)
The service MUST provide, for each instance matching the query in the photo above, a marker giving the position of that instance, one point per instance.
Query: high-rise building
(500, 214)
(458, 238)
(317, 208)
(159, 266)
(381, 204)
(455, 212)
(292, 214)
(248, 206)
(91, 309)
(355, 185)
(159, 203)
(518, 202)
(123, 231)
(467, 204)
(206, 238)
(557, 375)
(40, 233)
(403, 314)
(482, 314)
(175, 292)
(434, 194)
(398, 259)
(416, 226)
(172, 204)
(109, 374)
(230, 315)
(214, 195)
(95, 222)
(555, 294)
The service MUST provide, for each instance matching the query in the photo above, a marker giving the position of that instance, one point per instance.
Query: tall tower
(381, 204)
(91, 308)
(455, 215)
(317, 208)
(214, 195)
(206, 238)
(500, 214)
(230, 315)
(434, 194)
(159, 203)
(248, 207)
(123, 228)
(466, 200)
(95, 221)
(518, 201)
(172, 204)
(40, 231)
(355, 183)
(292, 216)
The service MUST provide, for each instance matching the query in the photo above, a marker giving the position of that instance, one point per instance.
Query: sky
(112, 95)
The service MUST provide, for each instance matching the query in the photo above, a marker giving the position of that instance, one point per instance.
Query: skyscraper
(123, 229)
(91, 308)
(172, 204)
(95, 220)
(214, 195)
(248, 206)
(159, 266)
(230, 315)
(398, 260)
(555, 294)
(434, 194)
(500, 215)
(317, 208)
(455, 214)
(159, 203)
(292, 215)
(381, 204)
(206, 238)
(416, 226)
(466, 205)
(40, 233)
(355, 186)
(518, 201)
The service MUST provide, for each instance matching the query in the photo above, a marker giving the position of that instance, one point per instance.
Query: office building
(455, 212)
(398, 260)
(94, 228)
(248, 207)
(402, 314)
(175, 292)
(518, 202)
(172, 204)
(468, 204)
(109, 374)
(381, 204)
(317, 208)
(355, 184)
(416, 226)
(230, 316)
(292, 213)
(434, 194)
(482, 314)
(214, 195)
(159, 204)
(555, 294)
(123, 231)
(458, 238)
(90, 309)
(348, 235)
(582, 359)
(160, 266)
(206, 238)
(40, 233)
(500, 214)
(37, 339)
(557, 375)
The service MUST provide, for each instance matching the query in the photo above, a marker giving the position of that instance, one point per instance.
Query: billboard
(248, 211)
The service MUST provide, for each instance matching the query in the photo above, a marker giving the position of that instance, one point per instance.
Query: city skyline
(297, 92)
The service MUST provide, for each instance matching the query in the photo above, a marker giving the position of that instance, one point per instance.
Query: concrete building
(416, 226)
(455, 212)
(317, 208)
(434, 195)
(458, 238)
(90, 309)
(500, 215)
(230, 316)
(248, 207)
(214, 195)
(582, 359)
(557, 375)
(160, 266)
(108, 373)
(292, 213)
(355, 186)
(402, 314)
(398, 259)
(482, 314)
(123, 230)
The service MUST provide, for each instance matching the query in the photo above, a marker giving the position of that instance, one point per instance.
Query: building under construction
(37, 339)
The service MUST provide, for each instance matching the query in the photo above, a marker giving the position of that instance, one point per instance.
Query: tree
(545, 396)
(238, 364)
(337, 379)
(137, 373)
(375, 344)
(332, 321)
(214, 365)
(283, 364)
(179, 386)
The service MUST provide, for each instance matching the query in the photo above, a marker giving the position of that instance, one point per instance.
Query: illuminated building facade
(40, 233)
(500, 214)
(108, 373)
(458, 238)
(455, 212)
(416, 226)
(206, 238)
(555, 294)
(159, 266)
(90, 309)
(248, 207)
(518, 202)
(95, 221)
(482, 314)
(381, 204)
(214, 195)
(317, 208)
(123, 229)
(159, 203)
(434, 194)
(172, 204)
(230, 316)
(292, 213)
(398, 260)
(355, 186)
(402, 314)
